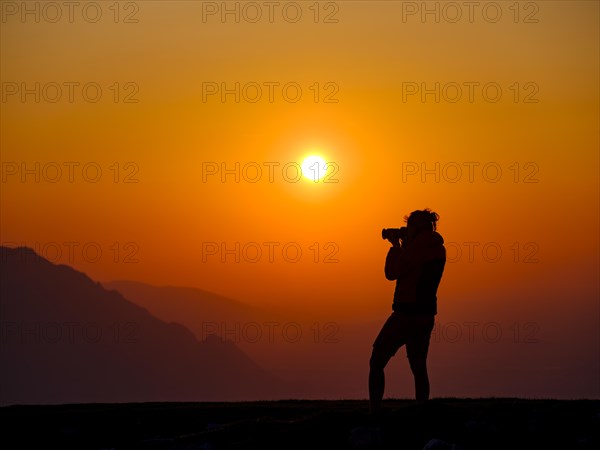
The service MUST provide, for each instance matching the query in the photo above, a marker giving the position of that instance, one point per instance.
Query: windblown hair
(423, 219)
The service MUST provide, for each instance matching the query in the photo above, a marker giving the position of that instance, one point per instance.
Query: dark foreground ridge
(306, 424)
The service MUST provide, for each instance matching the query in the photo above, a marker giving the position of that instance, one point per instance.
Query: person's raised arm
(392, 262)
(400, 260)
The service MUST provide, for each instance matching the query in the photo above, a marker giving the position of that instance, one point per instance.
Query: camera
(394, 233)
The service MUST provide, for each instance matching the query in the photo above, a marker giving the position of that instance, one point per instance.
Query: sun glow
(314, 168)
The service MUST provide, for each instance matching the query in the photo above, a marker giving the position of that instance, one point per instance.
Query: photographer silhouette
(416, 261)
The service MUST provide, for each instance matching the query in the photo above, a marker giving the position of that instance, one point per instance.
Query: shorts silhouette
(412, 330)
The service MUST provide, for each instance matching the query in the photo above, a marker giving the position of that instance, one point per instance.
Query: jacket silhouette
(417, 266)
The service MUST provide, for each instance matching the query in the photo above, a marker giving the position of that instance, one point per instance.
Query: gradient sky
(547, 228)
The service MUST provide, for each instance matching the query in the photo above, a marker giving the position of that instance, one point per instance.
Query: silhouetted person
(417, 266)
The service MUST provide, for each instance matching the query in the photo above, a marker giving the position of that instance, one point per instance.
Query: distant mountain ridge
(66, 339)
(189, 306)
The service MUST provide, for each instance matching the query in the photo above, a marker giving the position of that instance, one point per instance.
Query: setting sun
(314, 168)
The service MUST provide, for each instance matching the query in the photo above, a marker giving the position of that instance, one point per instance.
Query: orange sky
(370, 133)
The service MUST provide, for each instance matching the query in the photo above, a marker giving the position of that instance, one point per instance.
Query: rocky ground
(442, 424)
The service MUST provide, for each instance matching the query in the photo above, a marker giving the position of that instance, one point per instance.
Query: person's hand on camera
(395, 241)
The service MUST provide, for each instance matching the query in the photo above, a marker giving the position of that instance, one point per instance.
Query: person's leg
(389, 339)
(417, 348)
(377, 363)
(418, 366)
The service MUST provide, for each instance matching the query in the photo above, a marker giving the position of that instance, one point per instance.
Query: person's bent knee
(379, 359)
